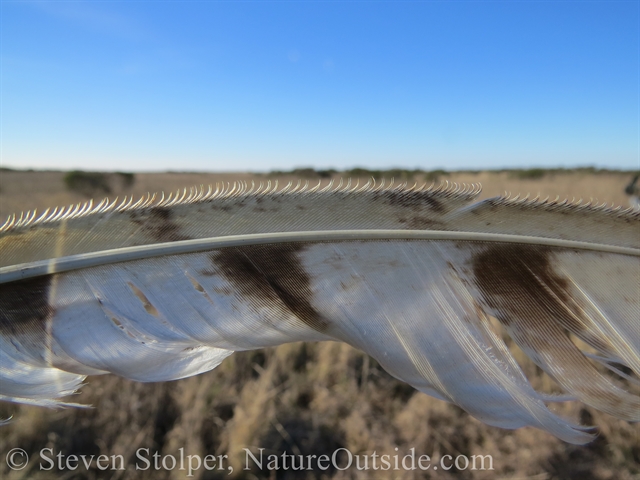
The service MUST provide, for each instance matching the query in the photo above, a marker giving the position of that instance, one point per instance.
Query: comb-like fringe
(235, 190)
(565, 205)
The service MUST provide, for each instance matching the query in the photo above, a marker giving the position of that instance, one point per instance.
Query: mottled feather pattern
(166, 288)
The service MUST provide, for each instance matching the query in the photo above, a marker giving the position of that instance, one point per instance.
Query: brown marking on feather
(262, 207)
(224, 208)
(535, 304)
(221, 290)
(230, 205)
(195, 283)
(423, 223)
(159, 225)
(271, 275)
(413, 199)
(480, 313)
(24, 306)
(417, 207)
(192, 348)
(506, 272)
(199, 288)
(148, 306)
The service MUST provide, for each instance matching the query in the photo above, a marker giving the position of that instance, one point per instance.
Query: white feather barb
(164, 288)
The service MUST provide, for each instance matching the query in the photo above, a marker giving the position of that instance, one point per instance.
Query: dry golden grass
(302, 398)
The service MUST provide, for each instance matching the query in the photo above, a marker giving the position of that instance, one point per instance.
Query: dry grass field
(302, 398)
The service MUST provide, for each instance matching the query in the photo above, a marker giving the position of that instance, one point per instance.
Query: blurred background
(109, 98)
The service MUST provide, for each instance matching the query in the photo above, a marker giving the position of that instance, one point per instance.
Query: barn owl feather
(164, 288)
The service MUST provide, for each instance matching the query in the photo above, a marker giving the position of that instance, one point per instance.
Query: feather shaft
(74, 262)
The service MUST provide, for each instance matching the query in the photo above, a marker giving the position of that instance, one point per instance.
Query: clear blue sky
(205, 85)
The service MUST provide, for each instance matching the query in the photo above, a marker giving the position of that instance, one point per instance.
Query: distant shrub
(529, 174)
(632, 188)
(363, 172)
(304, 173)
(127, 179)
(434, 175)
(399, 173)
(393, 173)
(97, 183)
(326, 173)
(87, 183)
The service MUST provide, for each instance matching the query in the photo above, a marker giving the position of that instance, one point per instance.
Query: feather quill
(166, 288)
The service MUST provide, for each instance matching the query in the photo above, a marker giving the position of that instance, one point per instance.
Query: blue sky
(205, 85)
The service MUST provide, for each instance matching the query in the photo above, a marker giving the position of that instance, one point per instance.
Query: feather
(166, 288)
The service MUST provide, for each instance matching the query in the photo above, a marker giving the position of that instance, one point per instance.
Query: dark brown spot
(423, 223)
(200, 288)
(224, 208)
(271, 275)
(24, 306)
(159, 225)
(195, 283)
(416, 200)
(191, 348)
(625, 370)
(161, 213)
